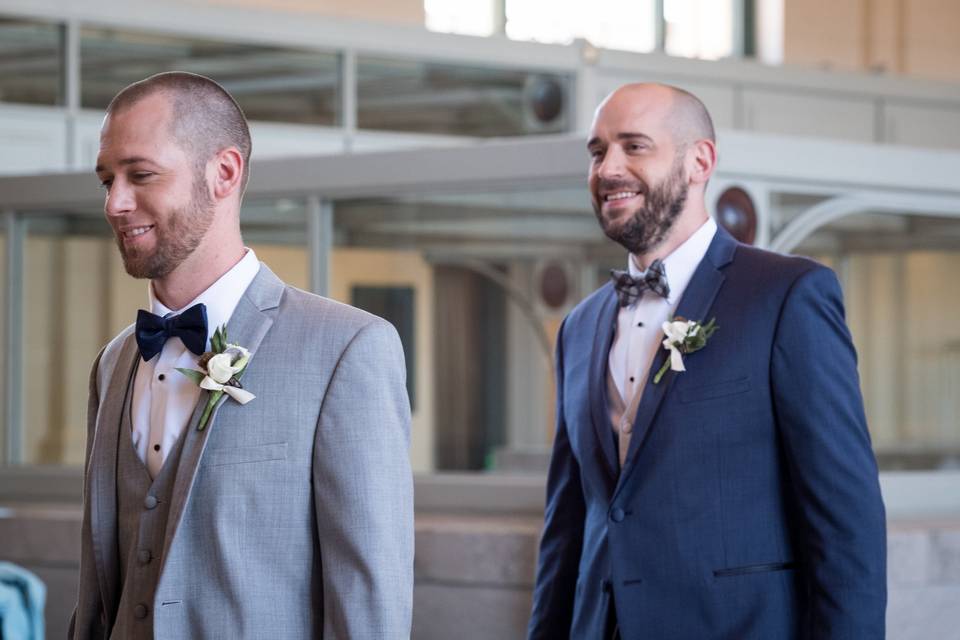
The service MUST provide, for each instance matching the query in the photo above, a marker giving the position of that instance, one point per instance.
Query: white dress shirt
(163, 398)
(639, 330)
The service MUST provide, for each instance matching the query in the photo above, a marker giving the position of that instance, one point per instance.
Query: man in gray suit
(211, 514)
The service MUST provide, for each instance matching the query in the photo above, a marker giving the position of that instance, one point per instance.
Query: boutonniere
(683, 337)
(220, 371)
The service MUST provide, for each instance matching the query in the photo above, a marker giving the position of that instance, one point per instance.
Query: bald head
(204, 118)
(681, 111)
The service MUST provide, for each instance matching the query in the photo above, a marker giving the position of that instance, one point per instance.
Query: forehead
(139, 129)
(633, 112)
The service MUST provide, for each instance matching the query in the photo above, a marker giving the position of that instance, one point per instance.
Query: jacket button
(616, 514)
(606, 586)
(144, 556)
(140, 611)
(150, 502)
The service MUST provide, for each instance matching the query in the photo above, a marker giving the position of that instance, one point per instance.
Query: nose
(120, 199)
(612, 165)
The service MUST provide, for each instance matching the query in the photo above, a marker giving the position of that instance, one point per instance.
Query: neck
(207, 264)
(687, 224)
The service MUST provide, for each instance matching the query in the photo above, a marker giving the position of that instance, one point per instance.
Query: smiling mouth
(136, 231)
(620, 195)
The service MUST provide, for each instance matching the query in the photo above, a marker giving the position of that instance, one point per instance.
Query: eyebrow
(124, 162)
(626, 135)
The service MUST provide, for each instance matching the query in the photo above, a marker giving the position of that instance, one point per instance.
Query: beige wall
(351, 267)
(403, 11)
(915, 37)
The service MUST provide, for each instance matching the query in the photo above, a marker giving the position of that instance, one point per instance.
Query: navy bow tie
(190, 326)
(630, 289)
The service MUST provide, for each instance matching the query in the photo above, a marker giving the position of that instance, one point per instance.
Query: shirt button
(150, 502)
(144, 556)
(156, 447)
(161, 377)
(616, 514)
(140, 611)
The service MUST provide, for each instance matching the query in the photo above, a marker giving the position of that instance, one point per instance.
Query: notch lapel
(603, 339)
(102, 494)
(694, 305)
(248, 326)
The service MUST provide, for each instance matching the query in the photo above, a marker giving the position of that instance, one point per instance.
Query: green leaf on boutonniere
(218, 342)
(194, 375)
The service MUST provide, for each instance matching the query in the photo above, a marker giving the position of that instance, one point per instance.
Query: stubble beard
(177, 238)
(648, 225)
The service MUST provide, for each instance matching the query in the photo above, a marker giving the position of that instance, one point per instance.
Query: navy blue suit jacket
(749, 504)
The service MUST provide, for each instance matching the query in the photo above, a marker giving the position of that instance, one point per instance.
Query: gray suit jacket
(292, 516)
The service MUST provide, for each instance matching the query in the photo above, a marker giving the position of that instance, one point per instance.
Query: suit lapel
(603, 339)
(694, 305)
(103, 470)
(247, 327)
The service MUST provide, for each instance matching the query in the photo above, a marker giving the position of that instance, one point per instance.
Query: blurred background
(424, 160)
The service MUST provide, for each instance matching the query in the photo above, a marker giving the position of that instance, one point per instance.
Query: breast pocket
(715, 390)
(245, 455)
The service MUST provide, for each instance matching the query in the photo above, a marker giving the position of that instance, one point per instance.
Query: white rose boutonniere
(683, 337)
(220, 371)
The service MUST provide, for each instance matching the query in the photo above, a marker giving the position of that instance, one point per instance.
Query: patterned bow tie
(190, 326)
(630, 289)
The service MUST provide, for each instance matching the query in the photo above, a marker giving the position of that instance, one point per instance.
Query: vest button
(150, 502)
(140, 611)
(616, 514)
(144, 556)
(626, 426)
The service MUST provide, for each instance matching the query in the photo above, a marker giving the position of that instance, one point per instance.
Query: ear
(703, 161)
(228, 178)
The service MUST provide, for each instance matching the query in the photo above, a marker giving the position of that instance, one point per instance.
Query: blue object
(22, 597)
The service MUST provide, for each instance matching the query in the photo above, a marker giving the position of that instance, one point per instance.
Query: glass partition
(477, 285)
(270, 83)
(32, 69)
(426, 97)
(902, 293)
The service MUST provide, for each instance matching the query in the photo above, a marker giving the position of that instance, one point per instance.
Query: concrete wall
(474, 573)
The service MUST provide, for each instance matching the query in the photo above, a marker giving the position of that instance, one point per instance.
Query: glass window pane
(270, 83)
(276, 229)
(628, 25)
(477, 285)
(902, 293)
(399, 95)
(699, 28)
(32, 53)
(467, 17)
(70, 271)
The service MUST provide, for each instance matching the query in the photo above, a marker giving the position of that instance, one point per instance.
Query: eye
(595, 154)
(142, 175)
(105, 184)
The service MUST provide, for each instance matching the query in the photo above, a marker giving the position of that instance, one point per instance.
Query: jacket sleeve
(87, 618)
(363, 491)
(831, 464)
(562, 539)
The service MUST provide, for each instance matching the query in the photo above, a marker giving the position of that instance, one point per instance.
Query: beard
(177, 237)
(648, 225)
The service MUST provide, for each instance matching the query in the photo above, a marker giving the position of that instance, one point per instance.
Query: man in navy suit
(737, 497)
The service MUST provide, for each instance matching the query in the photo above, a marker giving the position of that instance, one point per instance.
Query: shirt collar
(222, 297)
(681, 264)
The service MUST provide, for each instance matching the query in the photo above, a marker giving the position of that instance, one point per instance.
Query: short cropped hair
(205, 118)
(691, 116)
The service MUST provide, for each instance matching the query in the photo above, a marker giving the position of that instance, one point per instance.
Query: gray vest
(142, 508)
